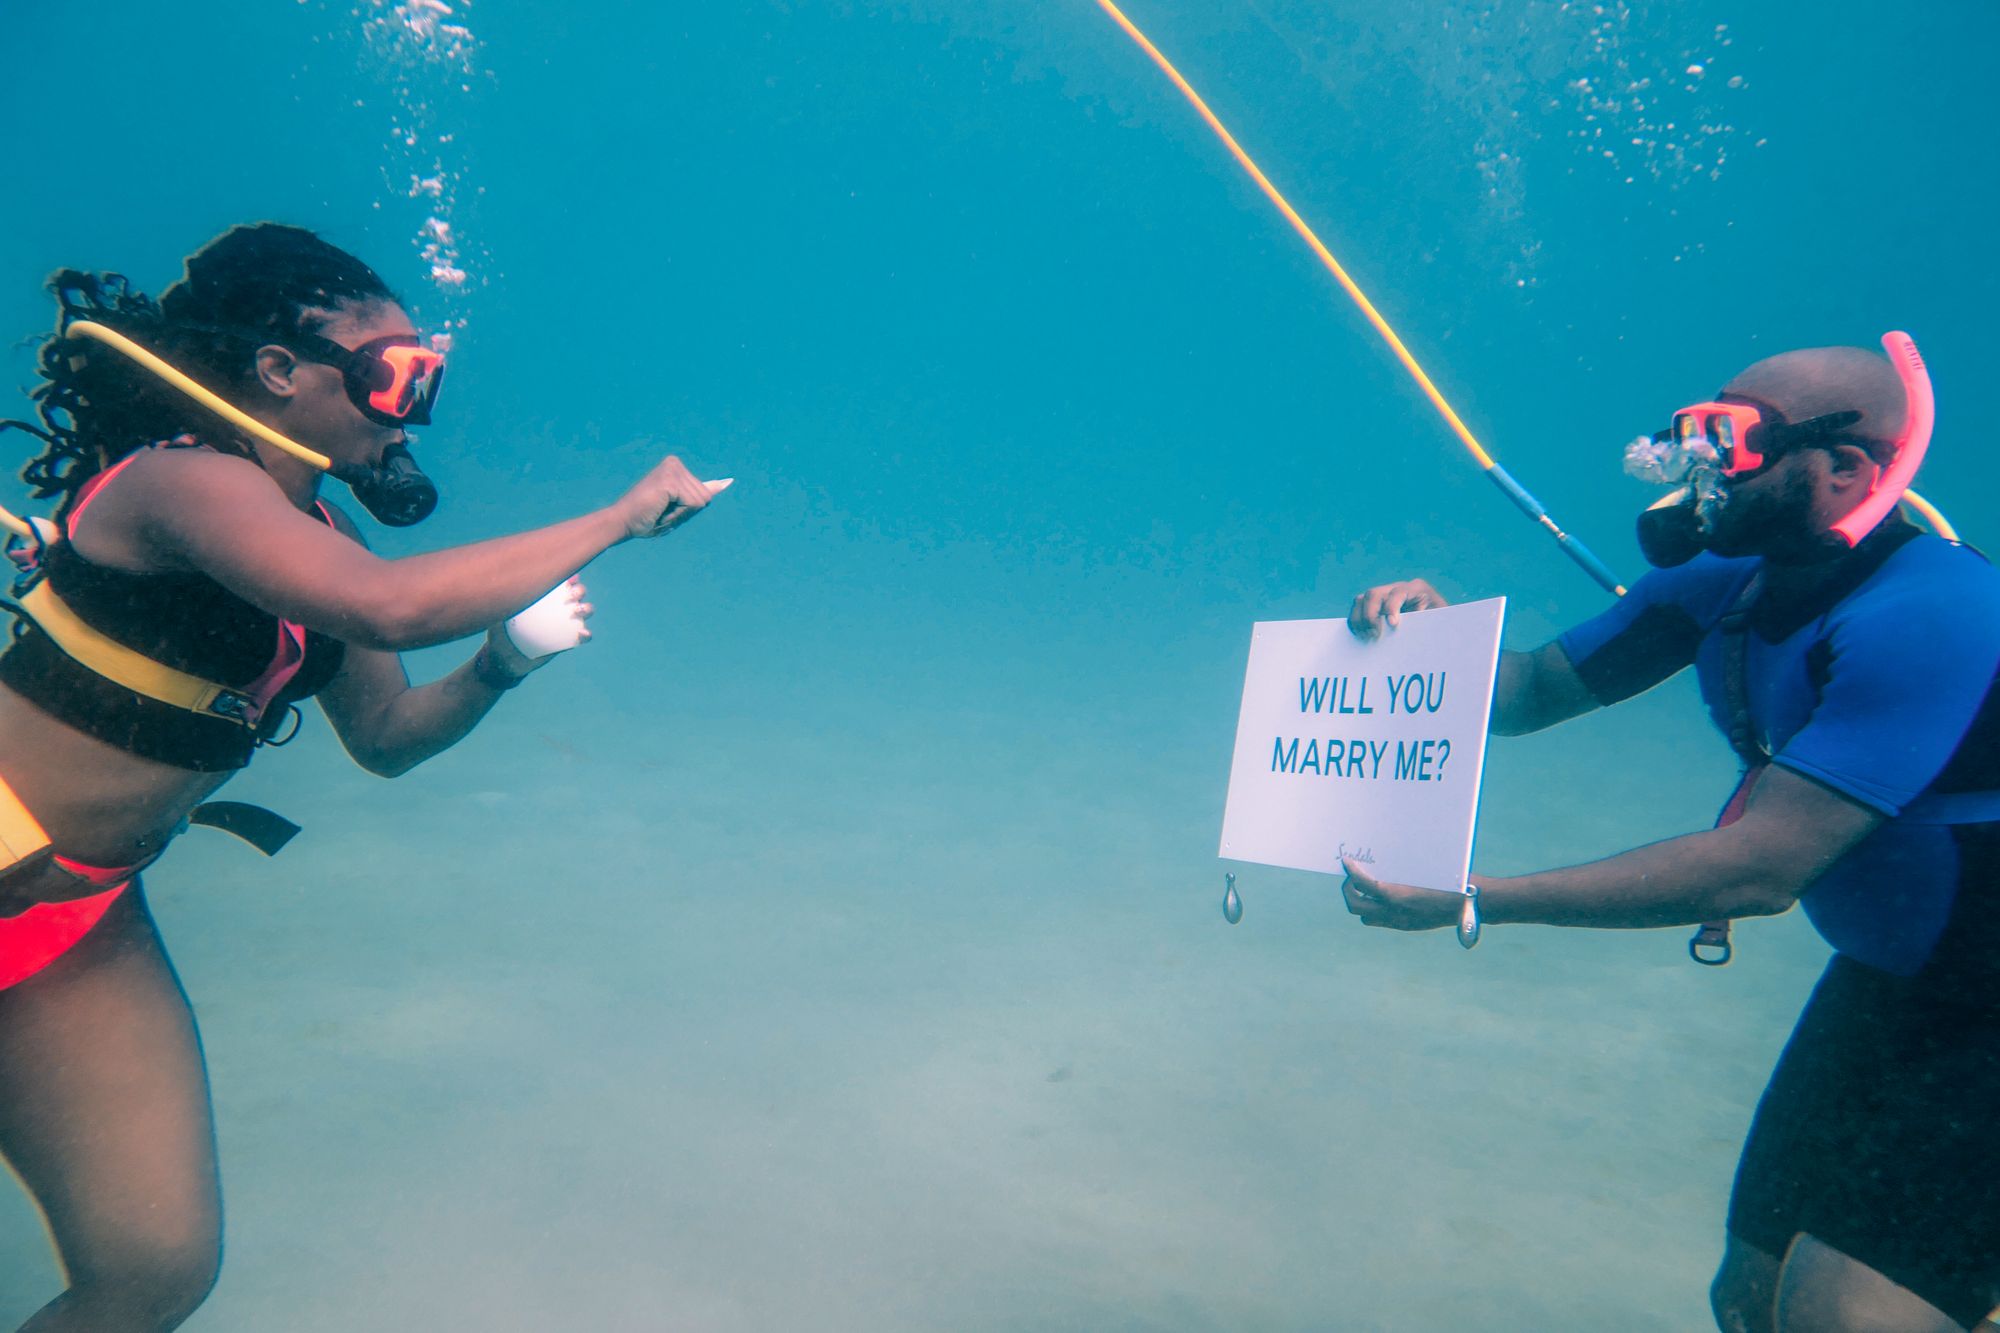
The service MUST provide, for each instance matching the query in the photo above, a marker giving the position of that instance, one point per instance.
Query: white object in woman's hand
(554, 624)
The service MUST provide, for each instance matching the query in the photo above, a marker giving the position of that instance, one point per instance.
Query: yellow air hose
(208, 398)
(1929, 513)
(1527, 503)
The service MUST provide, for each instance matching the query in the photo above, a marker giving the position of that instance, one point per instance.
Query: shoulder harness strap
(1735, 630)
(35, 601)
(1710, 946)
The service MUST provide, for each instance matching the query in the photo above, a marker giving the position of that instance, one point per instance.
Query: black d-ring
(297, 720)
(1724, 952)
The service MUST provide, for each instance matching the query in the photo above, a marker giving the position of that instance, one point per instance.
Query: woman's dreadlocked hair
(252, 285)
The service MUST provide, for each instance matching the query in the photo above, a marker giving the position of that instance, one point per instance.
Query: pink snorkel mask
(1713, 443)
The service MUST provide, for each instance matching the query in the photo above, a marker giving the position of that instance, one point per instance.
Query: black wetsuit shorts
(1879, 1134)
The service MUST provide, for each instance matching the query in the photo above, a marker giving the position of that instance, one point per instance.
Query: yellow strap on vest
(126, 666)
(21, 833)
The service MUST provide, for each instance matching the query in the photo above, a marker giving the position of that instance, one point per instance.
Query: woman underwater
(193, 589)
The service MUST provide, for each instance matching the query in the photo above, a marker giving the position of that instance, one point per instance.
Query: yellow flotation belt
(21, 833)
(125, 666)
(23, 841)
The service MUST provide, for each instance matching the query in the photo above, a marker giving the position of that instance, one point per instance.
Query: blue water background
(835, 943)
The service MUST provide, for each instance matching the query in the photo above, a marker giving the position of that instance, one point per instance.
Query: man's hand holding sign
(1351, 757)
(1364, 752)
(1376, 902)
(1789, 833)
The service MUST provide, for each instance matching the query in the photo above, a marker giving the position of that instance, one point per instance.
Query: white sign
(1368, 749)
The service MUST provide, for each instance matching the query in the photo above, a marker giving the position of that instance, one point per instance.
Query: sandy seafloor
(490, 1052)
(836, 943)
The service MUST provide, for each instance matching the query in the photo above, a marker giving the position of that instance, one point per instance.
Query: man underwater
(1851, 659)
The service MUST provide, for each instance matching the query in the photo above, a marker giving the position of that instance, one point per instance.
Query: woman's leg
(1744, 1295)
(1824, 1291)
(104, 1114)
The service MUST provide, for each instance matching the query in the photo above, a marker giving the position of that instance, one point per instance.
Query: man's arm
(1533, 690)
(1791, 834)
(1537, 690)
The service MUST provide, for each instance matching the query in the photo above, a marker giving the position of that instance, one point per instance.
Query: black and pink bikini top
(184, 620)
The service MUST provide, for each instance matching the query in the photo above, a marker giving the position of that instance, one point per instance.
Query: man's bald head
(1814, 381)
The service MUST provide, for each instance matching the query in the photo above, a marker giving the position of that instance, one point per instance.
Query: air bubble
(423, 49)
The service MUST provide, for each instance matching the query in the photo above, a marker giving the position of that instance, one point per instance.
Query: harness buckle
(25, 553)
(25, 577)
(234, 706)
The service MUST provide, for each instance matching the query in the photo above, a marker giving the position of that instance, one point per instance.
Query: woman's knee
(150, 1283)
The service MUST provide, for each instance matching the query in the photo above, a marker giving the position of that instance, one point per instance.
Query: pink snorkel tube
(1910, 446)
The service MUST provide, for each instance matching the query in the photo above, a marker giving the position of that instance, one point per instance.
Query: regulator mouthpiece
(395, 492)
(1676, 528)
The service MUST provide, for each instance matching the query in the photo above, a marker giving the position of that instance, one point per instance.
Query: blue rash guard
(1880, 686)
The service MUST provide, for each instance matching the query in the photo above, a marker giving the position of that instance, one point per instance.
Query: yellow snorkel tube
(208, 398)
(362, 479)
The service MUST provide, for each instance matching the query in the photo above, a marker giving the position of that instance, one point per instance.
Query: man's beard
(1774, 522)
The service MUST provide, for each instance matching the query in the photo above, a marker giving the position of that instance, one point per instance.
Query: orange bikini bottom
(34, 937)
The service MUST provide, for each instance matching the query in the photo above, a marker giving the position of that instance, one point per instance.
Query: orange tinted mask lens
(414, 376)
(1725, 428)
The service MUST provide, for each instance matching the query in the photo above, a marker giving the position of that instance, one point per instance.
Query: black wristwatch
(486, 669)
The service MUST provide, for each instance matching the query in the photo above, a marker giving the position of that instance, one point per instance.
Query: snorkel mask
(393, 381)
(1710, 445)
